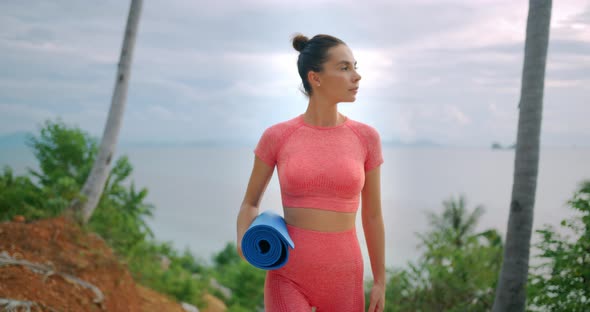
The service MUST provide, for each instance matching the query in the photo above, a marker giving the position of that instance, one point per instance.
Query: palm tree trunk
(92, 190)
(511, 292)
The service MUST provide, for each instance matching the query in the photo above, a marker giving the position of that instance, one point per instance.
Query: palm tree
(455, 220)
(81, 210)
(510, 294)
(459, 264)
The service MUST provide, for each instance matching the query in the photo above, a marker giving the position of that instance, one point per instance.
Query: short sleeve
(267, 146)
(374, 155)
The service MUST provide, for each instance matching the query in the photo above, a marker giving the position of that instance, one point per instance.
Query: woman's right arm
(259, 178)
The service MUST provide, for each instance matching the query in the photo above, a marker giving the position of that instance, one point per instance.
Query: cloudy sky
(445, 71)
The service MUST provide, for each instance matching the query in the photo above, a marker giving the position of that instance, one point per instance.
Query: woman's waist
(321, 220)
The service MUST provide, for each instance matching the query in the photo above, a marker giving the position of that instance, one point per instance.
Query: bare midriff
(319, 219)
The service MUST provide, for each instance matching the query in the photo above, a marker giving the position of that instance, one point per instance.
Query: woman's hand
(377, 298)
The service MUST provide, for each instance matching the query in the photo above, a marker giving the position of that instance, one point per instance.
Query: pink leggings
(325, 270)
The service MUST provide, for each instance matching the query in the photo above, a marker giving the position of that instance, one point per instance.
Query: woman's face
(339, 79)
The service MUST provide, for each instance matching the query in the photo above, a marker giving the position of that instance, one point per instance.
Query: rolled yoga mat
(266, 242)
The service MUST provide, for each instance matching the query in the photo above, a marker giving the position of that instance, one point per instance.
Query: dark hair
(312, 54)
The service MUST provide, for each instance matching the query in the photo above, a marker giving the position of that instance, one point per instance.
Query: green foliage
(19, 194)
(121, 212)
(245, 281)
(63, 151)
(165, 270)
(66, 156)
(458, 270)
(226, 257)
(455, 224)
(238, 308)
(562, 281)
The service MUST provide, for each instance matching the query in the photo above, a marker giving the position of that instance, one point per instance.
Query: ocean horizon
(197, 190)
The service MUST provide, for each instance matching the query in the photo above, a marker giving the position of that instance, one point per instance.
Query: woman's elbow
(371, 214)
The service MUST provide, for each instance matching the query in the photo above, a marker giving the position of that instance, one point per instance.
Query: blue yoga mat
(266, 242)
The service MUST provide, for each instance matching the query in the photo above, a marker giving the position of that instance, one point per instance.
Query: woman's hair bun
(299, 42)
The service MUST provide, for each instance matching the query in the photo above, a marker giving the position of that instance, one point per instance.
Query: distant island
(19, 139)
(498, 146)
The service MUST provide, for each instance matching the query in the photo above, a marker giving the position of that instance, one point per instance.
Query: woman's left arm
(373, 228)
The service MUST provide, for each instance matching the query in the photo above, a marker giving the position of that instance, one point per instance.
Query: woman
(325, 162)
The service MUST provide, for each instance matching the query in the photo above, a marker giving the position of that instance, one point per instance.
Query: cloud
(430, 68)
(457, 115)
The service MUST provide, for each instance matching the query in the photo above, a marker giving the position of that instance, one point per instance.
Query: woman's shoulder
(286, 123)
(364, 129)
(283, 127)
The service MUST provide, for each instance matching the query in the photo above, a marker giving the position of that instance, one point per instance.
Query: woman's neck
(321, 113)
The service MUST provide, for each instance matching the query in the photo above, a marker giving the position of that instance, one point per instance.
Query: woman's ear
(313, 78)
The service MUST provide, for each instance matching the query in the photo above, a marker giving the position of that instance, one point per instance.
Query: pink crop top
(321, 167)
